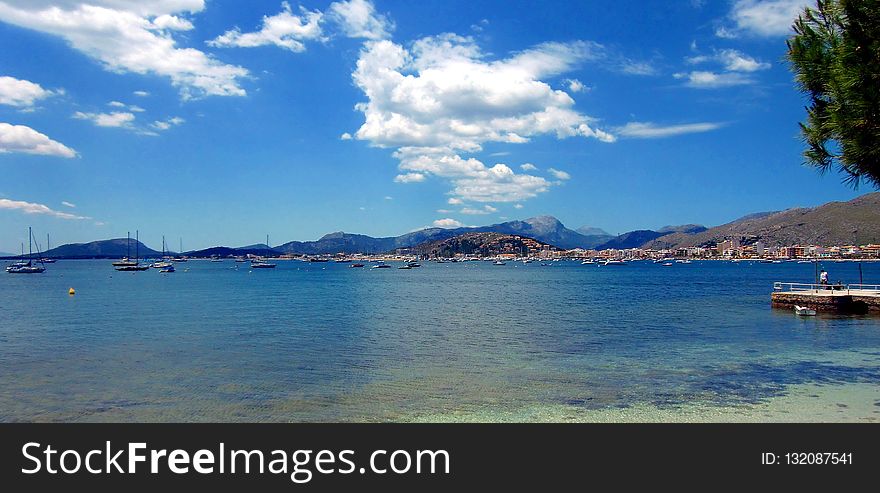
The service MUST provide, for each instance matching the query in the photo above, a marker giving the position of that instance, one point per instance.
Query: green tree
(835, 54)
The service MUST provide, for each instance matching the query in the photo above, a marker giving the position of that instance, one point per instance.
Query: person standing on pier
(823, 277)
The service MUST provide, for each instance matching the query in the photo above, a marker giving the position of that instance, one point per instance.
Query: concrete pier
(834, 299)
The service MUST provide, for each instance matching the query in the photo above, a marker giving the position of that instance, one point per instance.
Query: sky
(217, 122)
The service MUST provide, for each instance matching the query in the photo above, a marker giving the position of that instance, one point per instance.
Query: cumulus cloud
(22, 93)
(528, 167)
(558, 174)
(648, 130)
(454, 201)
(734, 67)
(345, 136)
(409, 178)
(359, 19)
(763, 17)
(163, 125)
(575, 85)
(119, 119)
(19, 138)
(704, 79)
(486, 209)
(285, 29)
(443, 97)
(34, 208)
(131, 37)
(731, 60)
(447, 223)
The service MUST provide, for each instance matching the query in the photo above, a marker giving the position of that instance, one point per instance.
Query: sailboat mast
(128, 245)
(137, 245)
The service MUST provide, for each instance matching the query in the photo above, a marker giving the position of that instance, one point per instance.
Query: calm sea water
(324, 342)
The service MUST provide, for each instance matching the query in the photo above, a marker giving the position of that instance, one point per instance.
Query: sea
(445, 342)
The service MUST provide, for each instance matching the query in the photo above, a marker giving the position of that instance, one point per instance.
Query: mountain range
(835, 223)
(856, 222)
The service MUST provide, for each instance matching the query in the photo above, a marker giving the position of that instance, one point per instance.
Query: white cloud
(559, 175)
(528, 167)
(22, 93)
(119, 119)
(345, 136)
(68, 204)
(141, 94)
(131, 37)
(575, 85)
(443, 211)
(285, 30)
(116, 104)
(736, 61)
(647, 130)
(19, 138)
(358, 19)
(409, 178)
(702, 79)
(454, 201)
(172, 23)
(486, 209)
(33, 208)
(166, 124)
(764, 17)
(518, 206)
(119, 104)
(388, 197)
(637, 68)
(447, 223)
(443, 97)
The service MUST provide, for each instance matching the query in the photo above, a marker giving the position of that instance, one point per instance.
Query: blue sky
(220, 121)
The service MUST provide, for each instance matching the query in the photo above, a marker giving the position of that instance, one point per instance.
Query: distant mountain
(547, 229)
(591, 231)
(835, 223)
(115, 248)
(481, 244)
(633, 239)
(684, 228)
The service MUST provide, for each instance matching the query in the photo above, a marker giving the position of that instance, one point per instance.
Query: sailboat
(27, 267)
(179, 257)
(48, 247)
(262, 263)
(127, 265)
(125, 262)
(164, 263)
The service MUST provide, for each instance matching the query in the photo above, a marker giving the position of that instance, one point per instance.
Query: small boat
(414, 264)
(804, 311)
(240, 259)
(355, 265)
(47, 260)
(342, 261)
(166, 270)
(614, 262)
(685, 261)
(666, 264)
(588, 262)
(381, 266)
(404, 267)
(498, 262)
(28, 267)
(129, 266)
(164, 263)
(259, 263)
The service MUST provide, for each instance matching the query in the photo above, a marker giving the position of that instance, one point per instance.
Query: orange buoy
(71, 292)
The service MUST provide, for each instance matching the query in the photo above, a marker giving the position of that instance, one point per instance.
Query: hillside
(835, 223)
(547, 229)
(481, 244)
(115, 248)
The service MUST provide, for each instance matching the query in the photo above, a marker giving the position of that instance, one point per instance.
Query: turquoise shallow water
(323, 342)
